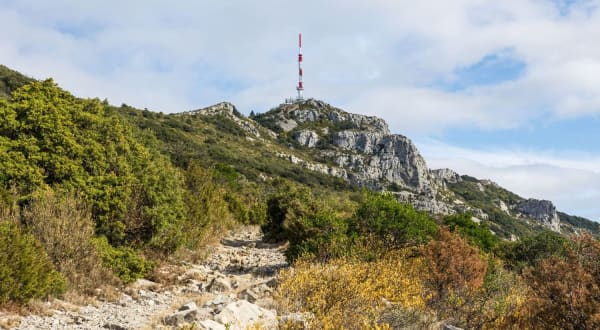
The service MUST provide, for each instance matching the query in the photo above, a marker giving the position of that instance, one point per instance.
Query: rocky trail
(231, 289)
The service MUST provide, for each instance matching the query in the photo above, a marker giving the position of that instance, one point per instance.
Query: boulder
(307, 138)
(219, 284)
(186, 313)
(243, 314)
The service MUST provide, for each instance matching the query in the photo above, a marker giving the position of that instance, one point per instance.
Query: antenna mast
(300, 87)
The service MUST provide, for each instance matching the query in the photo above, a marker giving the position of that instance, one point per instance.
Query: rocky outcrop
(289, 116)
(317, 167)
(541, 210)
(228, 110)
(375, 157)
(447, 175)
(307, 138)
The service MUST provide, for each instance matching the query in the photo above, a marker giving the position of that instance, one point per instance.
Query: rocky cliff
(360, 145)
(541, 210)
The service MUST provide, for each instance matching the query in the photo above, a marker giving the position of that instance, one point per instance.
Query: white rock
(242, 314)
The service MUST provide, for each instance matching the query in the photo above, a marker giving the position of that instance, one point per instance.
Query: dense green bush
(126, 262)
(394, 224)
(47, 136)
(26, 271)
(476, 234)
(529, 251)
(285, 210)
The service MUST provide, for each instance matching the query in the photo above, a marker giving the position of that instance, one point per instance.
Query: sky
(502, 90)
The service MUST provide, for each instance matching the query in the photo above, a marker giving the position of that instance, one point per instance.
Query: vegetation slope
(95, 195)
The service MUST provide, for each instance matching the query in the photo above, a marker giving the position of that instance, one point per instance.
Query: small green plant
(126, 262)
(26, 271)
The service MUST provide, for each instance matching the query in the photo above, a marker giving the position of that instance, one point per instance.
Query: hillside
(94, 197)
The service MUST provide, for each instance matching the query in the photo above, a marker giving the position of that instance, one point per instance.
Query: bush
(563, 296)
(529, 251)
(26, 271)
(476, 234)
(395, 224)
(351, 294)
(207, 210)
(455, 270)
(126, 262)
(63, 225)
(284, 212)
(321, 235)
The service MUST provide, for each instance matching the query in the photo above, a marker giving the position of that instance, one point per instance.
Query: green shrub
(207, 211)
(26, 271)
(284, 212)
(322, 235)
(394, 224)
(476, 234)
(126, 262)
(529, 251)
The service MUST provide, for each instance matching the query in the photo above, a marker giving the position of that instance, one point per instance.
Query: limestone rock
(242, 314)
(186, 313)
(392, 158)
(228, 110)
(219, 284)
(541, 210)
(287, 125)
(447, 175)
(307, 138)
(503, 207)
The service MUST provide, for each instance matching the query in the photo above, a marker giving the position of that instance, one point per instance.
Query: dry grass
(64, 226)
(9, 321)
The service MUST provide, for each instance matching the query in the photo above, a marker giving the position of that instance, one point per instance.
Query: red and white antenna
(300, 87)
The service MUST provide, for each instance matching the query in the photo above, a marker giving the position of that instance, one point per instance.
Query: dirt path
(231, 288)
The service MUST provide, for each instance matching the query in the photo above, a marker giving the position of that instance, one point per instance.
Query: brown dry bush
(563, 295)
(63, 224)
(456, 272)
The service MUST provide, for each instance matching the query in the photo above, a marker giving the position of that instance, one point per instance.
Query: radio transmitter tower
(300, 87)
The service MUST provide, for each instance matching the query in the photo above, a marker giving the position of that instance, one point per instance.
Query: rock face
(375, 157)
(307, 138)
(447, 175)
(541, 210)
(361, 147)
(289, 116)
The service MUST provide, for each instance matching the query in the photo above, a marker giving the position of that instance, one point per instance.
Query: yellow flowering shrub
(352, 294)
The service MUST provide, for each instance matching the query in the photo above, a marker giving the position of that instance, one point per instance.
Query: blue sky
(506, 90)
